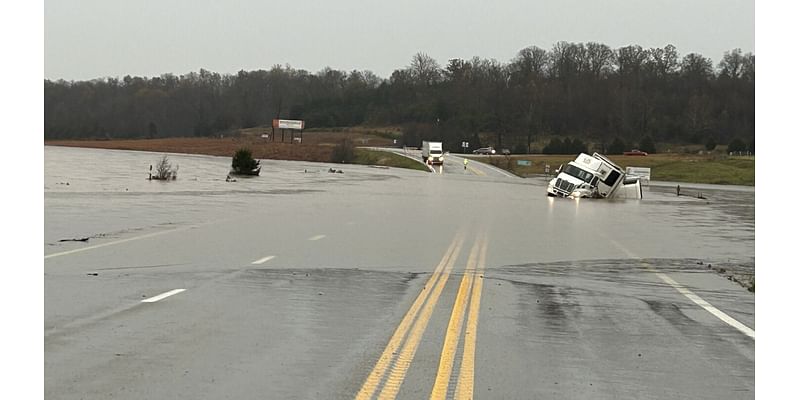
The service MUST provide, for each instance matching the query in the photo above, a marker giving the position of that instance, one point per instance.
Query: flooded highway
(387, 283)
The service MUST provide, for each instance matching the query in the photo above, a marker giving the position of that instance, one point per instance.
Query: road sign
(288, 124)
(642, 172)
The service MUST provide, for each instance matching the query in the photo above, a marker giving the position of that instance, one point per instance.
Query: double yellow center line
(476, 171)
(395, 360)
(469, 294)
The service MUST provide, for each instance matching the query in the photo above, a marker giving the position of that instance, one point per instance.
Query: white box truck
(432, 151)
(594, 176)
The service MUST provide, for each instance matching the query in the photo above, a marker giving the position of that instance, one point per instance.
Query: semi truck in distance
(594, 176)
(432, 151)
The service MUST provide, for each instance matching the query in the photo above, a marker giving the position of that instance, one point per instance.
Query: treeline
(578, 92)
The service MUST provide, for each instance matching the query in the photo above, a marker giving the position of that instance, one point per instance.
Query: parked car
(635, 152)
(484, 150)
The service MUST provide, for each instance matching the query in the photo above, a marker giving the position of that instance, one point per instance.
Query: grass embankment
(385, 158)
(691, 168)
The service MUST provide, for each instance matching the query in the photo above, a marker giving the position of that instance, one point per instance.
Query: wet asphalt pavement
(303, 284)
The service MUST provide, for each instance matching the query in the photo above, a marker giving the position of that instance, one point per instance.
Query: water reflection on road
(90, 192)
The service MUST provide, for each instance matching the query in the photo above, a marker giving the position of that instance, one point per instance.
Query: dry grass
(316, 146)
(694, 168)
(226, 147)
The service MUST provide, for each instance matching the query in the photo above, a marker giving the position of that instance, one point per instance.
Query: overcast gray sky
(98, 38)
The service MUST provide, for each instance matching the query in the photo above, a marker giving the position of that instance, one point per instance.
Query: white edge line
(318, 237)
(163, 296)
(63, 253)
(707, 306)
(263, 260)
(697, 299)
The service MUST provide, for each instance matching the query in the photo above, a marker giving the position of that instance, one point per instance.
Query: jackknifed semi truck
(594, 176)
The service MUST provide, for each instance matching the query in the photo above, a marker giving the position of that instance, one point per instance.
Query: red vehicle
(635, 152)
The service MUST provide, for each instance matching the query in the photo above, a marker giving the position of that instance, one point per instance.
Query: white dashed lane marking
(163, 296)
(263, 260)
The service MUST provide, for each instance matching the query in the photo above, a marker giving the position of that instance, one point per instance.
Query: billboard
(641, 172)
(288, 124)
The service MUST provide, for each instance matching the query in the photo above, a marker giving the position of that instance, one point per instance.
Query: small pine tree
(243, 162)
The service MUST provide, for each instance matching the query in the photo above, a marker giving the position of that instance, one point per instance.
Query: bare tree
(529, 64)
(424, 69)
(695, 65)
(164, 170)
(631, 59)
(562, 60)
(581, 56)
(458, 70)
(663, 62)
(732, 64)
(600, 59)
(698, 113)
(749, 67)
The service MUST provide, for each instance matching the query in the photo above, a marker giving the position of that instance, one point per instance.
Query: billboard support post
(290, 124)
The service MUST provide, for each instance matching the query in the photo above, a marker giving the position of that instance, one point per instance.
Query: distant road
(454, 164)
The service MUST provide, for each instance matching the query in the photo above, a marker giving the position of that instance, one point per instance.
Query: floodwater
(569, 297)
(96, 192)
(102, 193)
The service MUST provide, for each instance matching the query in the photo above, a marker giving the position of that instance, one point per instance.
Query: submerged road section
(386, 284)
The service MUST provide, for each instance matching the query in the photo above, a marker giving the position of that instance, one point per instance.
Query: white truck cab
(593, 176)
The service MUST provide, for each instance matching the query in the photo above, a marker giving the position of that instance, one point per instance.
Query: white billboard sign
(288, 124)
(641, 172)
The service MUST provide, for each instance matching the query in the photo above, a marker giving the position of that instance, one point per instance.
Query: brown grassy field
(316, 146)
(211, 146)
(694, 168)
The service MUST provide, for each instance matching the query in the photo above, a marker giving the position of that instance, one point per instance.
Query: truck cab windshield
(578, 173)
(436, 152)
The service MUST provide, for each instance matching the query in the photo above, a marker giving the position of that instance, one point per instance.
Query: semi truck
(432, 151)
(594, 176)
